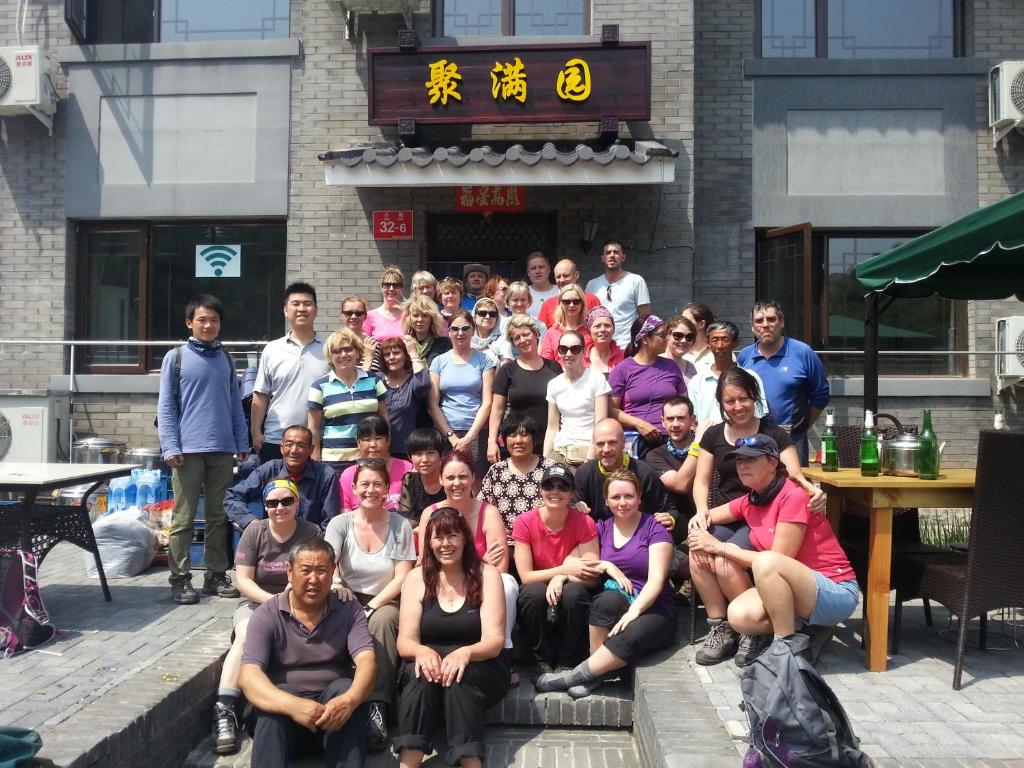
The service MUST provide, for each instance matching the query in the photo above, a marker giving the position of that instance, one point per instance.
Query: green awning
(979, 256)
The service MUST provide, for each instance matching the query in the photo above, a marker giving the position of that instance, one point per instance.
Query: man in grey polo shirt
(300, 647)
(287, 368)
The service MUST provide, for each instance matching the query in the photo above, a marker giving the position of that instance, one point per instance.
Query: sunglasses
(555, 485)
(486, 313)
(572, 302)
(575, 349)
(460, 329)
(396, 286)
(754, 441)
(353, 312)
(680, 336)
(608, 292)
(288, 501)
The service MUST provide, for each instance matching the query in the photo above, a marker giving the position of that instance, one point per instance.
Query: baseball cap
(754, 446)
(557, 472)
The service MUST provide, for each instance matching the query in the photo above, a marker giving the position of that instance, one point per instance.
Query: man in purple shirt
(297, 667)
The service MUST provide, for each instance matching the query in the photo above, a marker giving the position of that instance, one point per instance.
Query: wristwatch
(369, 611)
(449, 433)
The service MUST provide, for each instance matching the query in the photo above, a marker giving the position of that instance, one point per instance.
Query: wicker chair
(993, 576)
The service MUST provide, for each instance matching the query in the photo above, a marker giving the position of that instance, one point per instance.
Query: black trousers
(428, 707)
(275, 738)
(269, 452)
(565, 642)
(651, 630)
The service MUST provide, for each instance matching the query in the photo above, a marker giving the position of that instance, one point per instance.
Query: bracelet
(369, 611)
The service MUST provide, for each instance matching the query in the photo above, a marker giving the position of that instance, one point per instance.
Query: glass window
(196, 20)
(112, 301)
(549, 17)
(787, 28)
(120, 21)
(472, 17)
(890, 29)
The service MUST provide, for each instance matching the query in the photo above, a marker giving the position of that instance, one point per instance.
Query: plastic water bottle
(115, 497)
(145, 492)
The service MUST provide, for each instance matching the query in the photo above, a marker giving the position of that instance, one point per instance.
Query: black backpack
(795, 719)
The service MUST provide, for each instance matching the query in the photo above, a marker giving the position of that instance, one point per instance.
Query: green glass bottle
(829, 445)
(869, 460)
(928, 451)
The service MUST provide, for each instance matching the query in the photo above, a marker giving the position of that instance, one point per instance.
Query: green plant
(945, 527)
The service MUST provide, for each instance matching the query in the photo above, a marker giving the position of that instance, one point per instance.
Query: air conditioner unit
(33, 427)
(1010, 338)
(28, 83)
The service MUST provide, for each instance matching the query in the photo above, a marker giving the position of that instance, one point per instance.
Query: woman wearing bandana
(801, 574)
(643, 382)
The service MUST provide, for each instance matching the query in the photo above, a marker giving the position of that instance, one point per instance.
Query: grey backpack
(795, 719)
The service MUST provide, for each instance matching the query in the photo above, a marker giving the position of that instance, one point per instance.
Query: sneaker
(182, 592)
(750, 647)
(220, 585)
(721, 644)
(820, 636)
(225, 729)
(377, 733)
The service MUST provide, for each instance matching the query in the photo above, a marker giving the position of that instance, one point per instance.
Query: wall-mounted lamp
(588, 233)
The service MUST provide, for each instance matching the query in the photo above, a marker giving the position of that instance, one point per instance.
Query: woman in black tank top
(451, 635)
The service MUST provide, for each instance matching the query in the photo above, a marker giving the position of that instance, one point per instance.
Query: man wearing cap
(318, 485)
(474, 276)
(566, 273)
(610, 448)
(297, 667)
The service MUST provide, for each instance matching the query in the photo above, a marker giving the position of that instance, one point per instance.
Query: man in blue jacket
(793, 375)
(201, 427)
(320, 499)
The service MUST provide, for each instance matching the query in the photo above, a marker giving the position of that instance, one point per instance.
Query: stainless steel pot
(899, 455)
(147, 458)
(97, 450)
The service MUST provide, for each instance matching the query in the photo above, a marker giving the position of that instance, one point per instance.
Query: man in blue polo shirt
(794, 378)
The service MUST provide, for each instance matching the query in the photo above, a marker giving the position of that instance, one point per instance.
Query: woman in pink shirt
(385, 322)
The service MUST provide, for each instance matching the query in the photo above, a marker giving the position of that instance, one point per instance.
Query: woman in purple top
(634, 614)
(643, 382)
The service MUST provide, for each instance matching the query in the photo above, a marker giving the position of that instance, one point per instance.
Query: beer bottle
(869, 459)
(928, 451)
(829, 445)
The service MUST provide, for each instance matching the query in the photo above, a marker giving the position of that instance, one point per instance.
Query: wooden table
(40, 527)
(954, 488)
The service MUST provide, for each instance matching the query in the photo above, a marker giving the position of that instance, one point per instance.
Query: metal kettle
(899, 453)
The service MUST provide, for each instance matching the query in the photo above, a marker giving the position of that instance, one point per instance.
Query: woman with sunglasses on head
(373, 438)
(577, 400)
(513, 484)
(496, 288)
(376, 551)
(339, 400)
(408, 385)
(521, 386)
(385, 322)
(487, 336)
(261, 571)
(643, 382)
(353, 317)
(634, 614)
(451, 639)
(801, 574)
(449, 293)
(737, 394)
(569, 316)
(462, 380)
(681, 335)
(604, 354)
(556, 553)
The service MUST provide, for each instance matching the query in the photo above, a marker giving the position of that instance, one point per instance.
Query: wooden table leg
(876, 611)
(834, 511)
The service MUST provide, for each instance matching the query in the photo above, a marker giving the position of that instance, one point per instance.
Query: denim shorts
(835, 601)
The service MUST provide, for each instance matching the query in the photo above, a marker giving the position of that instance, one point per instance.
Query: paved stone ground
(910, 715)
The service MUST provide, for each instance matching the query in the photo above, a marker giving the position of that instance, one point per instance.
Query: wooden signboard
(544, 83)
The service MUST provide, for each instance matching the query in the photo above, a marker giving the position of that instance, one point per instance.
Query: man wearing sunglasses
(566, 273)
(793, 374)
(723, 338)
(624, 293)
(319, 499)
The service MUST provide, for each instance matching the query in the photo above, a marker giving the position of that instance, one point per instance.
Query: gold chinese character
(498, 197)
(483, 197)
(512, 197)
(443, 82)
(574, 81)
(466, 197)
(512, 80)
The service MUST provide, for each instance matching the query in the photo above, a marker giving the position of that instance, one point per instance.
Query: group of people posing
(444, 491)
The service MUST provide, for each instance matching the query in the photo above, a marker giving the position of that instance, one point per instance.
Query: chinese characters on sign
(443, 82)
(392, 225)
(574, 81)
(489, 199)
(508, 81)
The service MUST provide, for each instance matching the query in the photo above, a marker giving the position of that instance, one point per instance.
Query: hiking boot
(220, 585)
(820, 636)
(720, 645)
(377, 733)
(750, 647)
(225, 729)
(182, 592)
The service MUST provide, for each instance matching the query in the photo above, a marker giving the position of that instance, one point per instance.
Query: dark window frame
(821, 29)
(508, 16)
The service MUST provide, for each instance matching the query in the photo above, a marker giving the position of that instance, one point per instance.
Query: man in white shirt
(288, 366)
(624, 293)
(723, 338)
(538, 270)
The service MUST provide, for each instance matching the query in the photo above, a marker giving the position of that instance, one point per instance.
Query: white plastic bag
(126, 545)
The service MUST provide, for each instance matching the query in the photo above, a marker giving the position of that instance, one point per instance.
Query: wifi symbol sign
(218, 260)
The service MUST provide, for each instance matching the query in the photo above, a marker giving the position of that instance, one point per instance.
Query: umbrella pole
(871, 353)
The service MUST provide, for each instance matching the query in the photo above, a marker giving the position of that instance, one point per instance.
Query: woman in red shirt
(801, 573)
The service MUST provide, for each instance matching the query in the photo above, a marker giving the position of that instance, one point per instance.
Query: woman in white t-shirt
(577, 400)
(375, 552)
